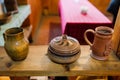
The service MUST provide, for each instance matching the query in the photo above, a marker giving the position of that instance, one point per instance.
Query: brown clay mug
(102, 44)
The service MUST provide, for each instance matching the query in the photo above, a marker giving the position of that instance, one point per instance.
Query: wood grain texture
(116, 35)
(36, 13)
(4, 78)
(101, 5)
(22, 2)
(53, 7)
(37, 63)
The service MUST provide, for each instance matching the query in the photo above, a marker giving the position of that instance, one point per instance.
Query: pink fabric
(74, 23)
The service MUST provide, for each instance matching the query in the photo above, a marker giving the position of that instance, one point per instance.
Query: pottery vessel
(102, 44)
(11, 6)
(16, 45)
(64, 49)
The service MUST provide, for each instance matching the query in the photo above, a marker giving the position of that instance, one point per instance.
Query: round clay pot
(64, 49)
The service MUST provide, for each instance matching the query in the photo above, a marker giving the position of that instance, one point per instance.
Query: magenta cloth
(74, 23)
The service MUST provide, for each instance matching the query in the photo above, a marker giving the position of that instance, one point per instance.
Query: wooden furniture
(50, 7)
(17, 21)
(74, 23)
(32, 19)
(101, 5)
(53, 7)
(116, 36)
(36, 13)
(37, 63)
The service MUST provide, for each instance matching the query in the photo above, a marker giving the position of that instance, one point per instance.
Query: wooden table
(74, 23)
(37, 63)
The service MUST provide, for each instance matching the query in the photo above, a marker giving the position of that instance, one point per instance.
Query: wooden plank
(102, 6)
(4, 78)
(22, 2)
(37, 63)
(53, 7)
(116, 35)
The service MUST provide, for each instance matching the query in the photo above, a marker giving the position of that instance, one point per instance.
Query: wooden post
(116, 36)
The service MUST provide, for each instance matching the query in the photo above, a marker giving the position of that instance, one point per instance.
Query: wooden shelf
(17, 20)
(37, 63)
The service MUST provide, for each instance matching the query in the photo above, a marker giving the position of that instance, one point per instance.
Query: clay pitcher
(102, 44)
(16, 45)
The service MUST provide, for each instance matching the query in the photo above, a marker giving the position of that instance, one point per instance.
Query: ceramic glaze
(64, 49)
(16, 45)
(102, 44)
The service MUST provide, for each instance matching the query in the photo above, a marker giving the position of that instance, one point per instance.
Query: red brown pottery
(102, 44)
(64, 49)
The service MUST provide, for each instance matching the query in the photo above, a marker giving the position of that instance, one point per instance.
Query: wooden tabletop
(37, 63)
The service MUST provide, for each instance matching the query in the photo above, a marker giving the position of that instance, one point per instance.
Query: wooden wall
(51, 5)
(36, 12)
(102, 5)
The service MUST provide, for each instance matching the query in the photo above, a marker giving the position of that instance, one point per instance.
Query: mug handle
(85, 36)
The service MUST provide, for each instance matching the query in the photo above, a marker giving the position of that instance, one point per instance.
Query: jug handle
(4, 36)
(85, 36)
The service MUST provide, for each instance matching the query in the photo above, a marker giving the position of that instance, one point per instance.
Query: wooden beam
(37, 63)
(116, 35)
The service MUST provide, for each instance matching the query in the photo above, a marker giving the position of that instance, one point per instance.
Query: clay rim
(14, 31)
(110, 30)
(68, 54)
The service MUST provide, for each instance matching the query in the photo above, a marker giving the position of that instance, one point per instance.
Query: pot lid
(64, 45)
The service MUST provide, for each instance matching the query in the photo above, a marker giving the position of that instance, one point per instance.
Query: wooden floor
(41, 36)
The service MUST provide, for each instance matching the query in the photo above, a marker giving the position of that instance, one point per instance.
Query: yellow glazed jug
(16, 45)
